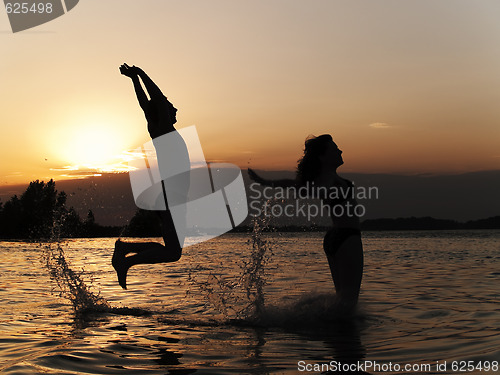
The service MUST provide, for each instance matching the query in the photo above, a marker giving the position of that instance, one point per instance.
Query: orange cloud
(380, 125)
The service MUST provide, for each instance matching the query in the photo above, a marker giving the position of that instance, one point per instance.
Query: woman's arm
(139, 92)
(153, 90)
(273, 183)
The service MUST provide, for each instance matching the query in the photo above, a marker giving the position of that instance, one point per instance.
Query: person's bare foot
(118, 262)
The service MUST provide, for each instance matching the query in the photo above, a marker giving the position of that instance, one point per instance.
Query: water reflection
(347, 348)
(408, 294)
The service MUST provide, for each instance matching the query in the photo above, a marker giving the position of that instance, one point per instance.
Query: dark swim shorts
(335, 237)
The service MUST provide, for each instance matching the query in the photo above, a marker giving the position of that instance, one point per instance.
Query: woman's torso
(342, 202)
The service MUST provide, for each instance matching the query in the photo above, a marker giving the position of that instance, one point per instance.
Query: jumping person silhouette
(342, 244)
(161, 117)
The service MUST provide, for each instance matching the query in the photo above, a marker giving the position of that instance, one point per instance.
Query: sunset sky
(403, 86)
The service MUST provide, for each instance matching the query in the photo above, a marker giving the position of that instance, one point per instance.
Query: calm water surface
(229, 308)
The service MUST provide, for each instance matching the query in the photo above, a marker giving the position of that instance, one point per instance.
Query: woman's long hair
(309, 166)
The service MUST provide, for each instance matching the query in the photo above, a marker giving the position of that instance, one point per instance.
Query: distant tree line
(429, 223)
(407, 223)
(41, 213)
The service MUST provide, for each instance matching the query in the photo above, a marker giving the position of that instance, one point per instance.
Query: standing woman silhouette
(161, 117)
(342, 244)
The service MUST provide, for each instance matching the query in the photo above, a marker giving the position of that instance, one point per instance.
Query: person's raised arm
(151, 87)
(132, 74)
(284, 183)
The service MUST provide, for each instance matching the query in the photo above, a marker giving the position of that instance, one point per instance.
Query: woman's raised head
(317, 151)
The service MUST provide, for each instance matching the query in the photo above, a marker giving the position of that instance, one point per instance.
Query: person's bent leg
(151, 253)
(147, 252)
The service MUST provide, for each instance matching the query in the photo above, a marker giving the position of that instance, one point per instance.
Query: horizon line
(97, 174)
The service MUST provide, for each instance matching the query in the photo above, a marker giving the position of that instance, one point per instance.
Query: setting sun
(97, 142)
(92, 145)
